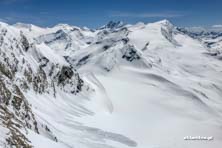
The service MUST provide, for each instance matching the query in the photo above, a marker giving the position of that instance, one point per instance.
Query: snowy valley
(118, 86)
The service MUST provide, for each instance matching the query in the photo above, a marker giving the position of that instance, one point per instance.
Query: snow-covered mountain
(211, 38)
(118, 86)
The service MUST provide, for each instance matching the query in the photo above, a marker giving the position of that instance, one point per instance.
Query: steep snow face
(211, 38)
(66, 39)
(120, 86)
(155, 35)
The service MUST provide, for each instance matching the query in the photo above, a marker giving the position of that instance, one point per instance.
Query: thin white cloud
(6, 19)
(7, 2)
(2, 20)
(217, 26)
(146, 14)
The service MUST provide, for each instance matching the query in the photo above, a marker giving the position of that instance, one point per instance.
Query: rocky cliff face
(23, 67)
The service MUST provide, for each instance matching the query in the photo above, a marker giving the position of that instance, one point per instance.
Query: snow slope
(157, 107)
(143, 85)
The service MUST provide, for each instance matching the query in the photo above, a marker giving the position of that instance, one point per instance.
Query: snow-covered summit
(113, 25)
(164, 22)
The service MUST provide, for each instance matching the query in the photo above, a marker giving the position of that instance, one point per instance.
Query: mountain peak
(3, 24)
(22, 25)
(165, 22)
(113, 25)
(65, 26)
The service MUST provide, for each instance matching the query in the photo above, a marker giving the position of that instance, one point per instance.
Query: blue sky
(94, 13)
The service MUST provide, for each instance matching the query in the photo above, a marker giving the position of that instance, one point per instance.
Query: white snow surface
(172, 91)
